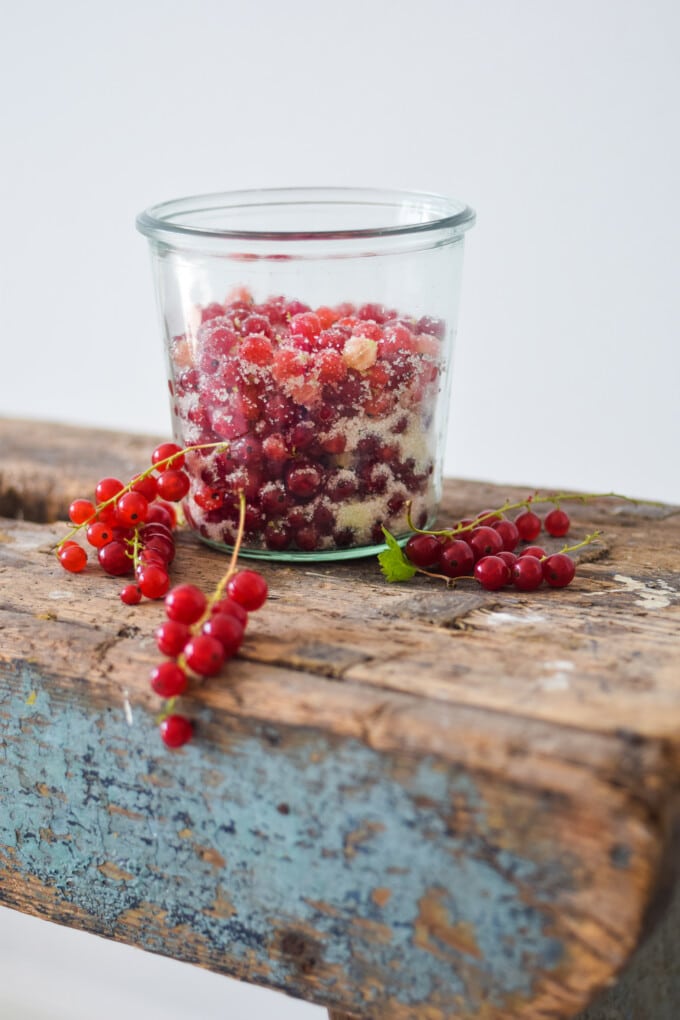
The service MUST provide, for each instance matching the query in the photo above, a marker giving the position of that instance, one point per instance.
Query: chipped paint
(142, 848)
(558, 675)
(503, 619)
(650, 595)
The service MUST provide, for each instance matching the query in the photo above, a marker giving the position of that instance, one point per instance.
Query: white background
(558, 121)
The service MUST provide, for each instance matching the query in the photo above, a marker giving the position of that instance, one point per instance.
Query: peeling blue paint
(297, 834)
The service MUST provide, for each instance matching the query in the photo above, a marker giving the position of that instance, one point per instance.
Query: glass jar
(308, 333)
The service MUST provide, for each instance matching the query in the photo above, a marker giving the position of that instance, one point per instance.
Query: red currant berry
(489, 517)
(492, 572)
(81, 510)
(106, 489)
(170, 453)
(146, 484)
(527, 573)
(537, 551)
(529, 525)
(185, 603)
(304, 482)
(457, 558)
(204, 655)
(249, 589)
(509, 558)
(132, 509)
(558, 570)
(424, 551)
(159, 515)
(99, 534)
(176, 730)
(114, 559)
(131, 595)
(169, 680)
(153, 581)
(228, 605)
(485, 541)
(162, 547)
(227, 630)
(72, 557)
(557, 523)
(171, 637)
(173, 485)
(509, 532)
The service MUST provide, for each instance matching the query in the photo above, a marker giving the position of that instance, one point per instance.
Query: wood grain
(463, 803)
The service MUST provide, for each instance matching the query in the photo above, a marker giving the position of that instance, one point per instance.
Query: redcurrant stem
(218, 593)
(231, 569)
(136, 546)
(588, 540)
(450, 581)
(130, 485)
(167, 709)
(554, 498)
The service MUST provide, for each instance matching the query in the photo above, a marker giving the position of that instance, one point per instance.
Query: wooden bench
(403, 801)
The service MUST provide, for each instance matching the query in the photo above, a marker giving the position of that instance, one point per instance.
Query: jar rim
(430, 212)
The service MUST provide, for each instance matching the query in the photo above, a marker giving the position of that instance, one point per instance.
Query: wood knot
(302, 951)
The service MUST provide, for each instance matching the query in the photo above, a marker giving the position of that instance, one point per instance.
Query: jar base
(298, 556)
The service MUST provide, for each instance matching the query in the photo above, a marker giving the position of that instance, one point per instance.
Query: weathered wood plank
(403, 801)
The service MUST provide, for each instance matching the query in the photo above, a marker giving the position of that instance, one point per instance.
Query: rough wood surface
(403, 801)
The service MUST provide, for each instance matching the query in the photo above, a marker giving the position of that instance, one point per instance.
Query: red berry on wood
(81, 510)
(153, 581)
(424, 551)
(485, 541)
(131, 595)
(557, 523)
(107, 488)
(249, 589)
(185, 603)
(168, 679)
(529, 525)
(165, 451)
(159, 514)
(228, 605)
(146, 485)
(176, 730)
(509, 533)
(492, 572)
(114, 559)
(172, 636)
(457, 558)
(509, 558)
(99, 534)
(204, 655)
(132, 508)
(537, 551)
(173, 485)
(558, 570)
(227, 630)
(527, 573)
(72, 557)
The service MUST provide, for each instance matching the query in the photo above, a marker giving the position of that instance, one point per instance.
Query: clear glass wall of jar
(309, 333)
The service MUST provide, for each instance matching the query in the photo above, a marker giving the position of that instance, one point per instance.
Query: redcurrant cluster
(199, 635)
(485, 547)
(131, 526)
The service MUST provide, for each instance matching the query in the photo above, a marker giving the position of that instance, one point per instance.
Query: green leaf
(393, 563)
